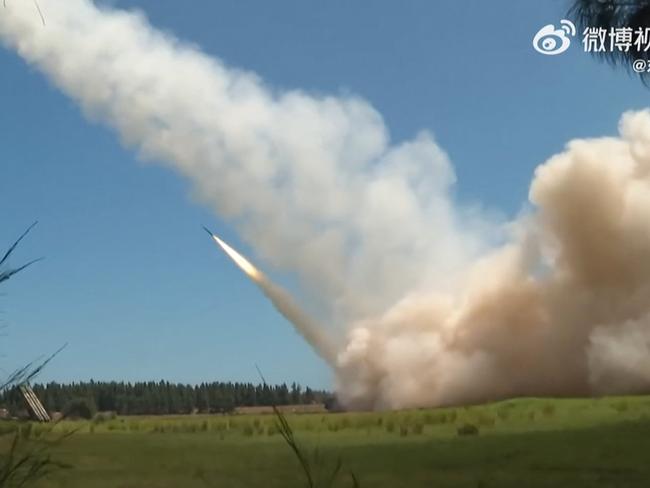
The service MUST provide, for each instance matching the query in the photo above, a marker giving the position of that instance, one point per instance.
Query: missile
(283, 302)
(242, 263)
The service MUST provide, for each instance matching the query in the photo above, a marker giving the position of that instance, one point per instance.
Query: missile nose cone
(208, 231)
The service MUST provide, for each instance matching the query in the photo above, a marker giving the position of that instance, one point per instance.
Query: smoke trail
(311, 182)
(284, 303)
(435, 315)
(311, 331)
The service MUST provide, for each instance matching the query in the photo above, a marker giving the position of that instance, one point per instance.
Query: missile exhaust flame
(283, 302)
(243, 263)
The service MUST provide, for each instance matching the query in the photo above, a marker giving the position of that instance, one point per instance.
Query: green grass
(528, 442)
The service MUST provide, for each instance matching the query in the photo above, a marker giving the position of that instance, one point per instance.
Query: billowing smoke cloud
(432, 314)
(561, 310)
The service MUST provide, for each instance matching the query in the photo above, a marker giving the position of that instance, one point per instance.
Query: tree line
(163, 397)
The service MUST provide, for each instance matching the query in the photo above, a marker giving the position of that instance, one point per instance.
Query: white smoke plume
(432, 314)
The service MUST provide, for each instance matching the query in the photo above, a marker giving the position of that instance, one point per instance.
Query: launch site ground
(528, 442)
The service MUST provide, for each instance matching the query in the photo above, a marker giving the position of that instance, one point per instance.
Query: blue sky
(132, 282)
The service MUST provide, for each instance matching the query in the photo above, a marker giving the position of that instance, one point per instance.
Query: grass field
(528, 442)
